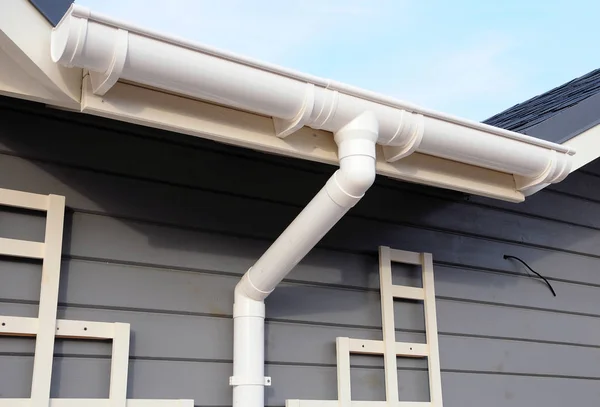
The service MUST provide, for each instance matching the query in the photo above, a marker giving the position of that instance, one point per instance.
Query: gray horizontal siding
(592, 168)
(207, 210)
(159, 228)
(360, 308)
(311, 335)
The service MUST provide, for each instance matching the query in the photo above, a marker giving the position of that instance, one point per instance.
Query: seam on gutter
(82, 12)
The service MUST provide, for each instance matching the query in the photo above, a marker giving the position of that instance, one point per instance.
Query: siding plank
(199, 338)
(593, 167)
(580, 184)
(22, 225)
(566, 208)
(101, 237)
(207, 384)
(185, 292)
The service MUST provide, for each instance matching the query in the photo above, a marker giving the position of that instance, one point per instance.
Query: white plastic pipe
(248, 378)
(114, 50)
(356, 143)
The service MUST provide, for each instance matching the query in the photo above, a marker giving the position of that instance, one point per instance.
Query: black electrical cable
(506, 256)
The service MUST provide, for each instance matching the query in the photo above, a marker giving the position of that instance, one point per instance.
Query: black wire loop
(506, 256)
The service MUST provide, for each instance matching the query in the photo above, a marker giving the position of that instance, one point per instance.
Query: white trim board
(388, 347)
(25, 40)
(46, 328)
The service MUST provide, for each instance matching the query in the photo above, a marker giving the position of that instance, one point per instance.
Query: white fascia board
(151, 108)
(14, 82)
(26, 68)
(587, 145)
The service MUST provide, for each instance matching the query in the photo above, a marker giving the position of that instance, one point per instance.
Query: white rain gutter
(112, 50)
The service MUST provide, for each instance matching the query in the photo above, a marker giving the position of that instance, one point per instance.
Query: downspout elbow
(356, 142)
(247, 298)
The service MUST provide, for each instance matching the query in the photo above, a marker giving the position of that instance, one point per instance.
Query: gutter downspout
(356, 145)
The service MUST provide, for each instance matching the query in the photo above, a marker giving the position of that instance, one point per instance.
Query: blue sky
(465, 57)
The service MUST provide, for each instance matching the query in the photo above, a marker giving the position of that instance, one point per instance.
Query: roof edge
(533, 112)
(566, 124)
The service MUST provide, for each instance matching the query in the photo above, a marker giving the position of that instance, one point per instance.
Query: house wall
(160, 227)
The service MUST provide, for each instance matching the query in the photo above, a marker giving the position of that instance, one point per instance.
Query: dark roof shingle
(540, 108)
(53, 10)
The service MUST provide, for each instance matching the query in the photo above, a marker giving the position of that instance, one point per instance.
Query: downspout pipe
(356, 148)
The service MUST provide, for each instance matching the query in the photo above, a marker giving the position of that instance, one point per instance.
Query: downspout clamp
(356, 145)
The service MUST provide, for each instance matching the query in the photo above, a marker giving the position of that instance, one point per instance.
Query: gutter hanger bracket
(319, 107)
(284, 128)
(411, 127)
(102, 82)
(329, 104)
